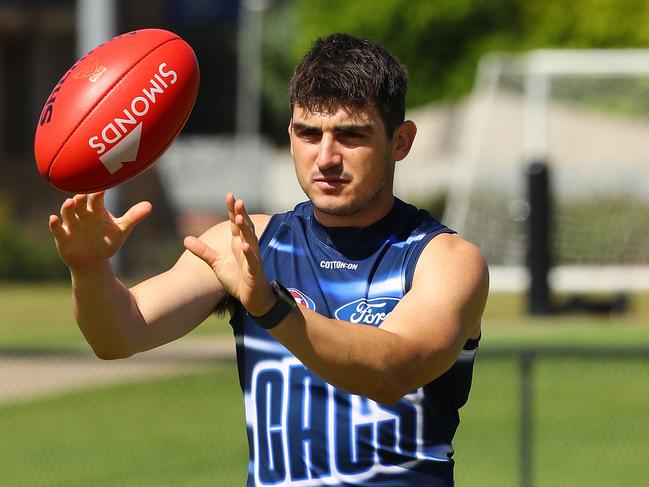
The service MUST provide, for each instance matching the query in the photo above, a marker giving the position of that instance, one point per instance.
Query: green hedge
(23, 257)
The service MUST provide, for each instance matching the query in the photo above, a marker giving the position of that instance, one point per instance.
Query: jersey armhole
(268, 235)
(411, 261)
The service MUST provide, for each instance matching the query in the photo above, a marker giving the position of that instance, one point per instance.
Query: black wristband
(280, 310)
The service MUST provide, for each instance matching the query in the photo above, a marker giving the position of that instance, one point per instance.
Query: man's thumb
(135, 215)
(201, 250)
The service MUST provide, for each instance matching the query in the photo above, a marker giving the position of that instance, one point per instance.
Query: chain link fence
(150, 420)
(556, 417)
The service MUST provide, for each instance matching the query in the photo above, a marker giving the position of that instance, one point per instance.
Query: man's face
(344, 163)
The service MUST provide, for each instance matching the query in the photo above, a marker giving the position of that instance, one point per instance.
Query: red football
(116, 110)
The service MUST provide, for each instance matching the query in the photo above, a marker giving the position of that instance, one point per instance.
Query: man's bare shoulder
(449, 250)
(454, 271)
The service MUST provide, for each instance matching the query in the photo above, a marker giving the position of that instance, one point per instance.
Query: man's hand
(87, 235)
(240, 269)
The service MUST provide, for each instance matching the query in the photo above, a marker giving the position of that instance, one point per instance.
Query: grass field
(185, 430)
(591, 430)
(590, 421)
(590, 424)
(39, 317)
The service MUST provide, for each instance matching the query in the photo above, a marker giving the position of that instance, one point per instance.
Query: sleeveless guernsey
(303, 431)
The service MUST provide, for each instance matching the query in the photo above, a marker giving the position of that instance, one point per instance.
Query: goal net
(585, 113)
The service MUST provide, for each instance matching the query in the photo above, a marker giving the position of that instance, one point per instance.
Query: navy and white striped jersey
(303, 431)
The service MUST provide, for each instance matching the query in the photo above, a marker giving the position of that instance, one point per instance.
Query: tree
(441, 41)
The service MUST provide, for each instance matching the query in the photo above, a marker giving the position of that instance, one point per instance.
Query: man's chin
(335, 210)
(334, 206)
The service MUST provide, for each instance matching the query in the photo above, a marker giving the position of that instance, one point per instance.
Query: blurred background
(533, 143)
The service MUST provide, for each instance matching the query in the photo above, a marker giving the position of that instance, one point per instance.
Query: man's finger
(249, 246)
(246, 225)
(240, 209)
(247, 232)
(252, 259)
(201, 250)
(96, 201)
(229, 204)
(81, 204)
(56, 227)
(67, 212)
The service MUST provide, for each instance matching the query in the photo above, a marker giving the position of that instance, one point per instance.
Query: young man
(361, 383)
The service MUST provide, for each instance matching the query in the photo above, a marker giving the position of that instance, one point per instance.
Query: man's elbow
(395, 382)
(386, 398)
(111, 355)
(112, 352)
(386, 391)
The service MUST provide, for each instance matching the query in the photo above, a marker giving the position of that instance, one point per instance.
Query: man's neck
(362, 218)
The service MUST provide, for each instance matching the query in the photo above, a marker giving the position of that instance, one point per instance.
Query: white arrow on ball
(124, 151)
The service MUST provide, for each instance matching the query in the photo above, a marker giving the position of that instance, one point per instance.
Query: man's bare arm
(118, 322)
(418, 341)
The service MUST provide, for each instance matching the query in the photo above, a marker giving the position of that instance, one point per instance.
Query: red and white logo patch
(301, 298)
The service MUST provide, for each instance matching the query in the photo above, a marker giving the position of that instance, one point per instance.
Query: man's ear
(402, 139)
(290, 133)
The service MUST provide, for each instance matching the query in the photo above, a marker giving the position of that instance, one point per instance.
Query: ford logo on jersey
(367, 311)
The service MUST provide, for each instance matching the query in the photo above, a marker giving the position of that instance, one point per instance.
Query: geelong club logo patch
(301, 298)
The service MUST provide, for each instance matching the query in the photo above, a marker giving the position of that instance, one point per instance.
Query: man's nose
(328, 153)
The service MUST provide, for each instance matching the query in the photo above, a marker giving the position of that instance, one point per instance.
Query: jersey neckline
(359, 242)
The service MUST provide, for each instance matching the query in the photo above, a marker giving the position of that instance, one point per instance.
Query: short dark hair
(351, 72)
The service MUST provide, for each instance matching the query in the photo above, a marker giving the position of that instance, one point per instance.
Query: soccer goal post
(585, 115)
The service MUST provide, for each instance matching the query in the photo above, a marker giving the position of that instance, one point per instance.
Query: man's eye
(308, 134)
(352, 136)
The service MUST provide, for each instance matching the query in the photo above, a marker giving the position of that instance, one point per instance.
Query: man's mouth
(330, 182)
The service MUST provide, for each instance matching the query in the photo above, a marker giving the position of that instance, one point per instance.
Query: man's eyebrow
(344, 127)
(355, 127)
(302, 126)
